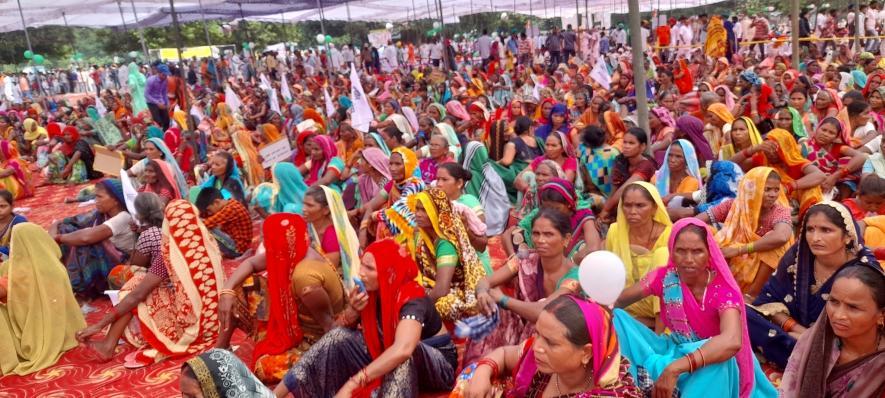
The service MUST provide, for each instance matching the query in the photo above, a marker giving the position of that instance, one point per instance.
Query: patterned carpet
(75, 375)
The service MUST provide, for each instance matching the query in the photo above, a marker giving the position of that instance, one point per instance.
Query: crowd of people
(749, 216)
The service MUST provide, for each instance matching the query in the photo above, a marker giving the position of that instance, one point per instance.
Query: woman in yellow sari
(720, 119)
(225, 119)
(715, 45)
(799, 176)
(180, 118)
(739, 143)
(269, 133)
(249, 155)
(38, 312)
(447, 263)
(639, 238)
(756, 228)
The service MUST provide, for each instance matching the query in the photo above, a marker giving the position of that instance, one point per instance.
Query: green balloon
(245, 44)
(328, 39)
(29, 54)
(38, 59)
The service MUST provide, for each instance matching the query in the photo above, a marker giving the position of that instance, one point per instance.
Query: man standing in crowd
(156, 95)
(569, 41)
(554, 46)
(483, 46)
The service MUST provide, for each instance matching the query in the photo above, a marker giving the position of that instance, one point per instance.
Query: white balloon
(602, 276)
(435, 24)
(321, 38)
(503, 15)
(389, 25)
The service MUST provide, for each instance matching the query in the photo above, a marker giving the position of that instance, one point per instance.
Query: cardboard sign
(107, 161)
(275, 152)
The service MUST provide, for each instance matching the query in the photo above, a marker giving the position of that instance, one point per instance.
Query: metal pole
(442, 35)
(177, 31)
(794, 28)
(144, 48)
(638, 62)
(120, 7)
(323, 29)
(206, 27)
(857, 26)
(24, 27)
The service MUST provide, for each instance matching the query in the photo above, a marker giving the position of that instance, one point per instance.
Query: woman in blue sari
(793, 298)
(156, 149)
(708, 351)
(284, 195)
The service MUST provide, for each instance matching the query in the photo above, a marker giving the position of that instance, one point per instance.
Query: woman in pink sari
(708, 351)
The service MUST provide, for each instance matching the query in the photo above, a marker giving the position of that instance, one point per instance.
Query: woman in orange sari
(15, 173)
(174, 302)
(799, 176)
(249, 155)
(615, 129)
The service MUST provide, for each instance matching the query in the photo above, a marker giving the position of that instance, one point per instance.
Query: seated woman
(662, 126)
(15, 172)
(535, 276)
(325, 165)
(8, 219)
(38, 312)
(224, 175)
(289, 309)
(574, 353)
(799, 176)
(159, 178)
(639, 238)
(147, 255)
(633, 164)
(875, 163)
(438, 155)
(522, 148)
(838, 160)
(389, 209)
(559, 194)
(168, 287)
(842, 354)
(447, 263)
(755, 228)
(393, 354)
(373, 174)
(707, 352)
(530, 182)
(94, 242)
(558, 149)
(331, 234)
(72, 162)
(451, 178)
(599, 158)
(487, 185)
(156, 149)
(210, 374)
(692, 129)
(740, 141)
(284, 194)
(228, 221)
(247, 153)
(679, 174)
(796, 294)
(870, 200)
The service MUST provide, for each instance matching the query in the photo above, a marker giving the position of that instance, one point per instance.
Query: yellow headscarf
(743, 221)
(791, 167)
(270, 132)
(618, 242)
(410, 160)
(180, 117)
(722, 112)
(224, 120)
(33, 131)
(728, 151)
(249, 154)
(41, 315)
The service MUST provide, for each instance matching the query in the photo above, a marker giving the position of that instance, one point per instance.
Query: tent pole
(64, 16)
(638, 62)
(794, 29)
(122, 18)
(206, 27)
(177, 31)
(24, 26)
(323, 29)
(140, 32)
(347, 28)
(442, 35)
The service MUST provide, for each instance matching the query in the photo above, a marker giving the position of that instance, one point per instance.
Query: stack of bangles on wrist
(361, 378)
(750, 247)
(231, 292)
(788, 325)
(692, 362)
(491, 364)
(364, 224)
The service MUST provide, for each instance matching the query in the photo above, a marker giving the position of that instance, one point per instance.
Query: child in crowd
(228, 220)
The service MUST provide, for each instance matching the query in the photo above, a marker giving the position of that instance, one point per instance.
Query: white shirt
(436, 51)
(347, 55)
(484, 46)
(122, 236)
(862, 132)
(390, 59)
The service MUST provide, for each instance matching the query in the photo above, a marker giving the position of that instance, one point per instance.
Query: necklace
(556, 383)
(818, 281)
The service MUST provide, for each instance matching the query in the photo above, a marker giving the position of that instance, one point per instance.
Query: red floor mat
(74, 375)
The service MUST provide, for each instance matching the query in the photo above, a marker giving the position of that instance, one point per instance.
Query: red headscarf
(172, 138)
(67, 148)
(396, 286)
(866, 89)
(286, 240)
(300, 144)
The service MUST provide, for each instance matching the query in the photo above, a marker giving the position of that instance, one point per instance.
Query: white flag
(274, 101)
(284, 89)
(99, 106)
(600, 74)
(232, 99)
(362, 112)
(330, 107)
(265, 84)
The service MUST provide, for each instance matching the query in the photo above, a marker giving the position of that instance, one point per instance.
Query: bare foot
(102, 351)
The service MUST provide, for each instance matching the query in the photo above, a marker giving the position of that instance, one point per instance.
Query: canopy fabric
(107, 13)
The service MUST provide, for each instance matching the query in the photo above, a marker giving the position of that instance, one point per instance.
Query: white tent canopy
(105, 13)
